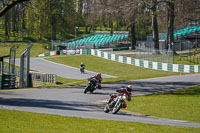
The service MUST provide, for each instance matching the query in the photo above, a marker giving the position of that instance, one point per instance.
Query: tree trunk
(127, 27)
(53, 35)
(170, 34)
(80, 6)
(90, 28)
(53, 27)
(86, 29)
(6, 26)
(23, 24)
(14, 21)
(117, 28)
(133, 38)
(155, 25)
(111, 26)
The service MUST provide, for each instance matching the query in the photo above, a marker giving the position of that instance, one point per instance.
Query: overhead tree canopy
(10, 5)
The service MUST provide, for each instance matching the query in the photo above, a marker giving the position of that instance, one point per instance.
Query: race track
(71, 101)
(45, 66)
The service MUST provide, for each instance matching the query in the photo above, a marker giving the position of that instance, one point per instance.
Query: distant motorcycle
(117, 102)
(92, 85)
(82, 69)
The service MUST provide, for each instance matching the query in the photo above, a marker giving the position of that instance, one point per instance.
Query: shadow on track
(50, 104)
(149, 86)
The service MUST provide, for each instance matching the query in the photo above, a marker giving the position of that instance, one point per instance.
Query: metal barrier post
(25, 78)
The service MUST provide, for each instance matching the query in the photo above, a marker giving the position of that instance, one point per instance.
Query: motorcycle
(82, 69)
(115, 103)
(92, 85)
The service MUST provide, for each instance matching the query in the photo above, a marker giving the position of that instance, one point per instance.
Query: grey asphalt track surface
(71, 101)
(45, 66)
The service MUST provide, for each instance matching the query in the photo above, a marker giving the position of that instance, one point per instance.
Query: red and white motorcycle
(115, 103)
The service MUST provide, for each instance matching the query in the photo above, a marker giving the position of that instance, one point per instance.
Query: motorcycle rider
(98, 79)
(121, 91)
(82, 66)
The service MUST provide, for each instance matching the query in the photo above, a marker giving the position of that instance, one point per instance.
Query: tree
(115, 13)
(8, 6)
(51, 19)
(155, 24)
(170, 33)
(178, 14)
(152, 5)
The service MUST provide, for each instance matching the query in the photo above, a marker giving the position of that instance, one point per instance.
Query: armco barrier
(147, 64)
(8, 81)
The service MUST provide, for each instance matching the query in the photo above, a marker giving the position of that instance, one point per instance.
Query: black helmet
(129, 88)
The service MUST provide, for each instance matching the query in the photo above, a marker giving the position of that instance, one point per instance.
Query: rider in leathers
(121, 91)
(82, 66)
(97, 80)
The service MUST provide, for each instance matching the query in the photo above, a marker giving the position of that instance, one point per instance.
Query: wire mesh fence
(12, 59)
(184, 45)
(55, 44)
(151, 54)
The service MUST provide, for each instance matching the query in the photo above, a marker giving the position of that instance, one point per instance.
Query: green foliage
(25, 122)
(51, 19)
(141, 29)
(180, 105)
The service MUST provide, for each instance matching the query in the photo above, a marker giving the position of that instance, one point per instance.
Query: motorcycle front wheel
(87, 89)
(117, 107)
(106, 109)
(92, 89)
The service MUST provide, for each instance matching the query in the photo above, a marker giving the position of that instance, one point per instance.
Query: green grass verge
(69, 82)
(122, 71)
(38, 48)
(25, 122)
(182, 104)
(186, 60)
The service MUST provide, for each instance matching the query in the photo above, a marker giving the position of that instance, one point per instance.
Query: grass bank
(122, 71)
(25, 122)
(182, 104)
(37, 48)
